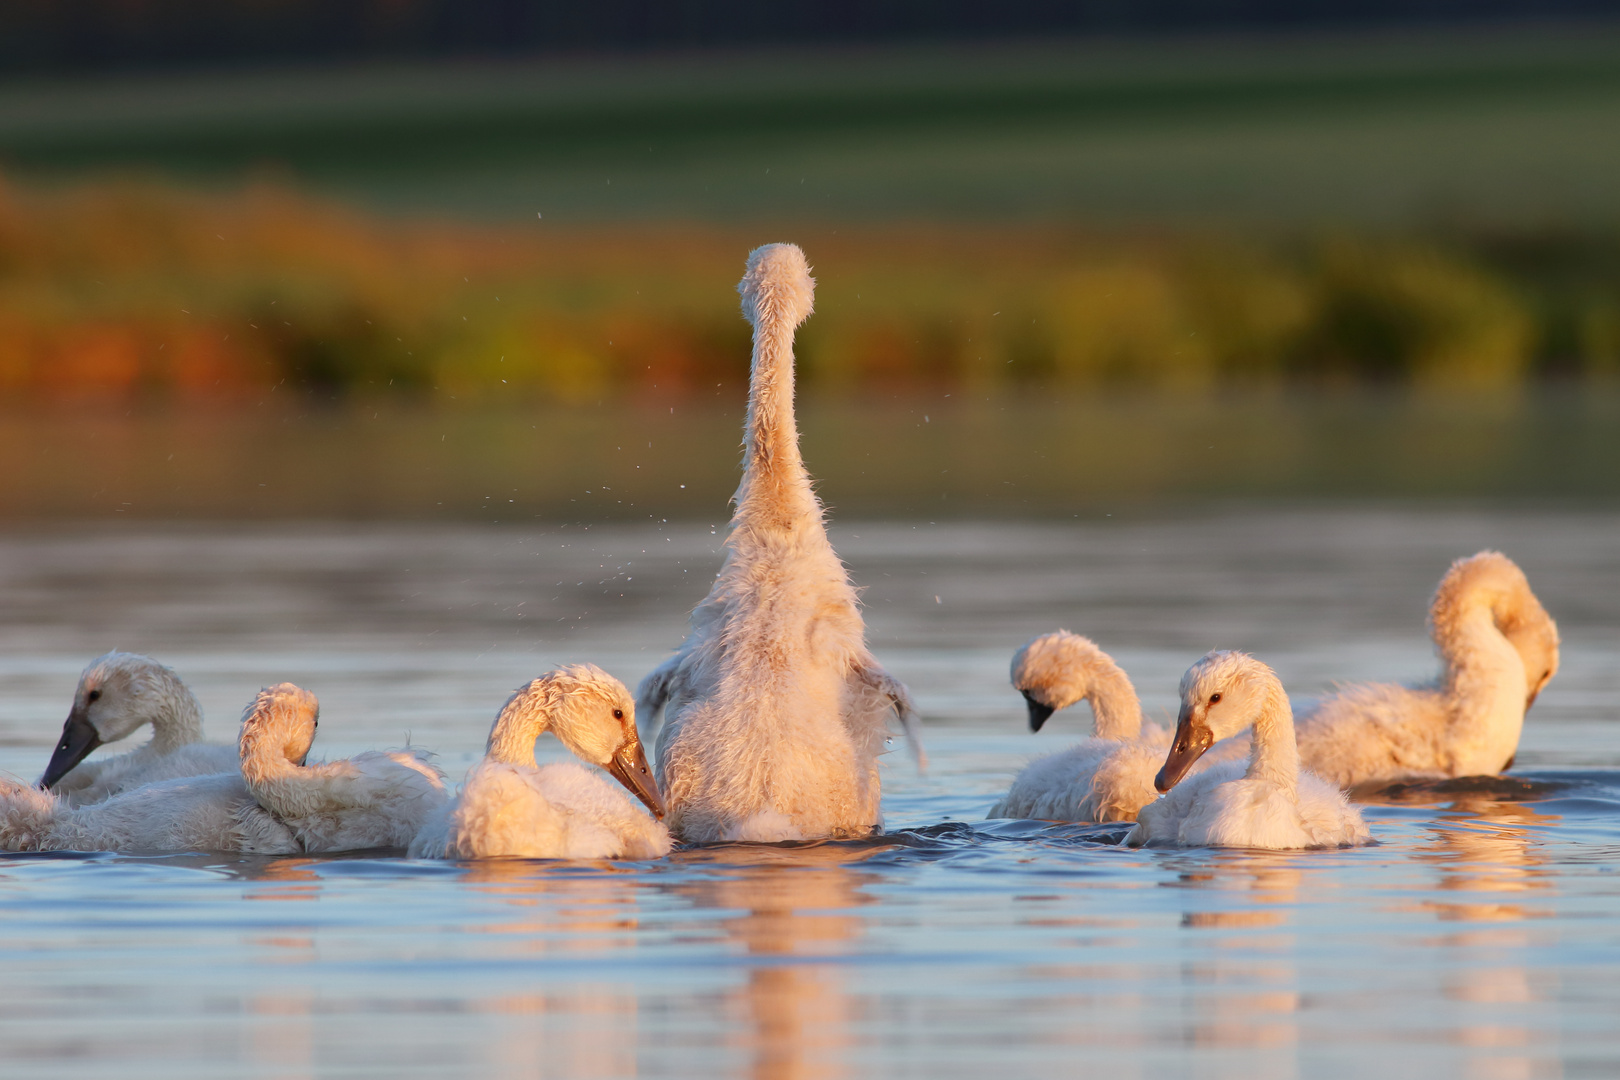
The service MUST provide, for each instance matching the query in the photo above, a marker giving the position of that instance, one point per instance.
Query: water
(1479, 938)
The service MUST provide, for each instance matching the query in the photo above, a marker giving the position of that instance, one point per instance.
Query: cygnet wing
(602, 821)
(1376, 732)
(141, 766)
(374, 799)
(200, 813)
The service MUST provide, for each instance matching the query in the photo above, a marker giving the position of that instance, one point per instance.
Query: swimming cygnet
(375, 799)
(1498, 647)
(214, 813)
(1104, 778)
(1270, 803)
(117, 695)
(776, 710)
(509, 808)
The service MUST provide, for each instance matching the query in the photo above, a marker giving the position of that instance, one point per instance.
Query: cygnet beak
(79, 737)
(629, 767)
(1038, 713)
(1192, 739)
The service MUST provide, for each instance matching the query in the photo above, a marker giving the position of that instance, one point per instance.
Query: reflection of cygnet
(1105, 778)
(117, 695)
(1498, 647)
(508, 807)
(374, 799)
(1269, 804)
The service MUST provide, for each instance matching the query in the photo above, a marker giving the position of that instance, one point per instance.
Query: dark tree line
(63, 36)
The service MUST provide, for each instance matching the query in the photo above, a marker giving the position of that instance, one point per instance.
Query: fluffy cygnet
(375, 799)
(117, 695)
(508, 807)
(1104, 778)
(1498, 647)
(1271, 803)
(776, 710)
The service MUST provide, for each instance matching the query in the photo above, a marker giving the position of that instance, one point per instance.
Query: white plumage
(776, 710)
(1104, 778)
(375, 799)
(118, 694)
(1270, 803)
(509, 808)
(1498, 647)
(197, 813)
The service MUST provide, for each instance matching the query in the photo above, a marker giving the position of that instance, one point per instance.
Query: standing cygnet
(117, 695)
(1498, 647)
(1104, 778)
(1270, 804)
(509, 808)
(777, 711)
(375, 799)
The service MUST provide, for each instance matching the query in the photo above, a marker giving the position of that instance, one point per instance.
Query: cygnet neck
(180, 722)
(274, 741)
(1274, 756)
(512, 738)
(1113, 700)
(1485, 686)
(775, 492)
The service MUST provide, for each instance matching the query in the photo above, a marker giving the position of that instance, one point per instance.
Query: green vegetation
(143, 292)
(1508, 129)
(1435, 213)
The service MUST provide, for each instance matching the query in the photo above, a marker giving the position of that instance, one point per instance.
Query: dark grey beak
(1038, 713)
(79, 737)
(629, 767)
(1192, 739)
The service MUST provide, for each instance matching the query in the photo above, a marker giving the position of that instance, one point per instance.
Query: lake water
(1480, 937)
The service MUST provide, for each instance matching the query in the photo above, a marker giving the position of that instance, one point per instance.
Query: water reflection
(579, 907)
(796, 906)
(587, 1028)
(281, 1035)
(1480, 846)
(1243, 986)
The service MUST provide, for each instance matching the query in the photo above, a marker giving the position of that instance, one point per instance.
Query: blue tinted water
(1480, 937)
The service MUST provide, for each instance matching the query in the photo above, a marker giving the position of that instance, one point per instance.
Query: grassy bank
(134, 292)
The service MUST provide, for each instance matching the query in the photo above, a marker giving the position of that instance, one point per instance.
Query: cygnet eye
(1213, 698)
(94, 695)
(618, 714)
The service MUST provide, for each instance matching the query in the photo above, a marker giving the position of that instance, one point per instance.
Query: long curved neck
(511, 740)
(1275, 754)
(1114, 704)
(775, 493)
(264, 762)
(178, 723)
(1485, 689)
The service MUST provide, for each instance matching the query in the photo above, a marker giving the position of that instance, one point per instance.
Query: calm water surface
(1481, 937)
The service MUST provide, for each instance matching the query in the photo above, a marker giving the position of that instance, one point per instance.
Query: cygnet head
(1493, 579)
(116, 694)
(591, 713)
(278, 725)
(777, 287)
(1055, 671)
(1221, 695)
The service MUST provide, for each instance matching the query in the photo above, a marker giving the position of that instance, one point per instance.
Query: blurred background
(476, 260)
